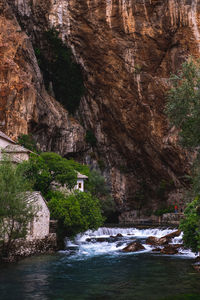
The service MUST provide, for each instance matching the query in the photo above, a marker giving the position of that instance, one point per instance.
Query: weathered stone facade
(24, 248)
(39, 227)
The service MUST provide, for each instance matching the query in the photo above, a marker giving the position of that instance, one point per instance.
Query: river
(90, 269)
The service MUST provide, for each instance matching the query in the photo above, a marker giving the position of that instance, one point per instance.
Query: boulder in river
(133, 247)
(172, 234)
(119, 235)
(152, 240)
(196, 266)
(116, 236)
(156, 250)
(171, 249)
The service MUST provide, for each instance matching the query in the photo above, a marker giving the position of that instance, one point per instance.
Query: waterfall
(111, 241)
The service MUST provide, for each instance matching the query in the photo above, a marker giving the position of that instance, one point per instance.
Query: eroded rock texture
(127, 49)
(24, 104)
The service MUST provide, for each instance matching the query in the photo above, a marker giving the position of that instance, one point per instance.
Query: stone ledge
(23, 248)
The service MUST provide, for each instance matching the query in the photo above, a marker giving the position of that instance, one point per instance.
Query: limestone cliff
(127, 49)
(24, 104)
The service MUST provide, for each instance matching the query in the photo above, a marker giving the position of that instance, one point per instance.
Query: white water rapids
(104, 242)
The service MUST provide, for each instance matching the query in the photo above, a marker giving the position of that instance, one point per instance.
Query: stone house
(5, 140)
(64, 189)
(15, 152)
(80, 182)
(39, 227)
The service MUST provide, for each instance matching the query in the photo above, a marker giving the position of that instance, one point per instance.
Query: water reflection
(100, 275)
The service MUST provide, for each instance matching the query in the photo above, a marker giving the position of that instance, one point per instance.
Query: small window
(79, 185)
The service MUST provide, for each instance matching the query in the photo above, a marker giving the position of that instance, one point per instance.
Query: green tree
(183, 110)
(97, 186)
(191, 225)
(27, 141)
(49, 168)
(15, 211)
(77, 212)
(37, 172)
(184, 103)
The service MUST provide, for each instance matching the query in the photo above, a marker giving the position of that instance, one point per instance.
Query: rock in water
(152, 240)
(156, 250)
(172, 235)
(171, 249)
(133, 247)
(196, 266)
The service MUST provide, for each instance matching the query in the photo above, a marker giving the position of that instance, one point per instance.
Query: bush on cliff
(183, 111)
(184, 103)
(77, 212)
(27, 141)
(15, 212)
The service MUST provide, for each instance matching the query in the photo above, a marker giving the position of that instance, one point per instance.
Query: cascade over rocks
(151, 240)
(127, 50)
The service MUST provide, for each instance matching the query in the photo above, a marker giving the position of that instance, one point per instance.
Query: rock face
(127, 50)
(25, 105)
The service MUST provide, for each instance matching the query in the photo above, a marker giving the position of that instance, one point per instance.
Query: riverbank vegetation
(15, 211)
(76, 212)
(183, 109)
(56, 177)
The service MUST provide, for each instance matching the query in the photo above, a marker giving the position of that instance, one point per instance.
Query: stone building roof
(33, 197)
(5, 137)
(16, 149)
(81, 176)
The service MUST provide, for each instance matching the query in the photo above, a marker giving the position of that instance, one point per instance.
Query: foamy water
(87, 245)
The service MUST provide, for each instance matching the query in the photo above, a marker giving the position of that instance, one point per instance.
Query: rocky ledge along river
(109, 263)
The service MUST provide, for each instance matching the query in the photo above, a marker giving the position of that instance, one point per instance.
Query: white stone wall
(80, 185)
(4, 143)
(39, 228)
(18, 156)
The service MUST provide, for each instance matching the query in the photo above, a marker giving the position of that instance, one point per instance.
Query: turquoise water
(86, 271)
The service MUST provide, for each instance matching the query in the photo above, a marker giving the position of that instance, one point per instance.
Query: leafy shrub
(27, 141)
(77, 212)
(97, 186)
(162, 211)
(191, 225)
(47, 168)
(15, 211)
